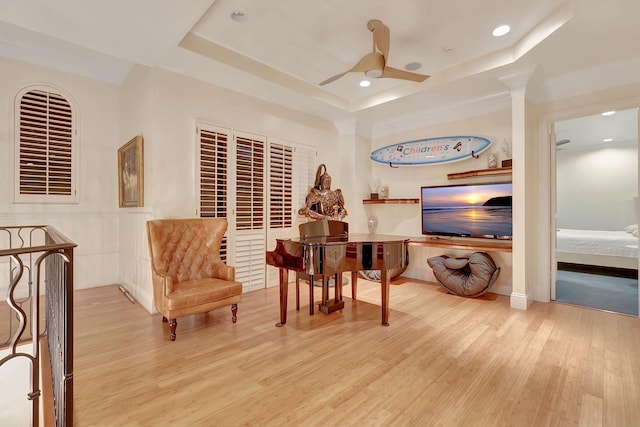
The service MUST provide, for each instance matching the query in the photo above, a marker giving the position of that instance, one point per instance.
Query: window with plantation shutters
(280, 186)
(213, 188)
(45, 140)
(250, 210)
(213, 173)
(252, 181)
(291, 172)
(250, 194)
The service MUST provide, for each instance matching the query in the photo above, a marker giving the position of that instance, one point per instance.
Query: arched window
(45, 147)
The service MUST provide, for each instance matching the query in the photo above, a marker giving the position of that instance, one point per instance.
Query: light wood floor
(443, 361)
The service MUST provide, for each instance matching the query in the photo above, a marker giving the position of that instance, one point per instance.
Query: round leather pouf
(470, 277)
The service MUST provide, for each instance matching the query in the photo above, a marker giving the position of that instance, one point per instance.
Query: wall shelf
(389, 201)
(480, 172)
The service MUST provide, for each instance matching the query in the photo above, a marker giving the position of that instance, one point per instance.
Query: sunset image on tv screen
(482, 210)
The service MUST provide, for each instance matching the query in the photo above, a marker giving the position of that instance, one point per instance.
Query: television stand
(462, 243)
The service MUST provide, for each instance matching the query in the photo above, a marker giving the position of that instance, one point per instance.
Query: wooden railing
(38, 263)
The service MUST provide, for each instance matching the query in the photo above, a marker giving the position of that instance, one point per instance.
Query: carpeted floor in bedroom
(604, 292)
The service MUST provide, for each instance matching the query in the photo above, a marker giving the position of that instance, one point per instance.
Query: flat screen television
(473, 210)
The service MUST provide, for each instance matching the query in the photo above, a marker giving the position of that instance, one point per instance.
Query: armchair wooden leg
(164, 319)
(173, 323)
(234, 312)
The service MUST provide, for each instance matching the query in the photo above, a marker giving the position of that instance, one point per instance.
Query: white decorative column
(523, 175)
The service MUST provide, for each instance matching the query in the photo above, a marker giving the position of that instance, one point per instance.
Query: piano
(330, 251)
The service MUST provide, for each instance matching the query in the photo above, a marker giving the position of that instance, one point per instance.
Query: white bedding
(610, 243)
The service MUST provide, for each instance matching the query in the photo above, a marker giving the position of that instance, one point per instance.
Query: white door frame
(547, 188)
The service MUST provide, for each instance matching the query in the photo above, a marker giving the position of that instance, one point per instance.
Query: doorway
(596, 225)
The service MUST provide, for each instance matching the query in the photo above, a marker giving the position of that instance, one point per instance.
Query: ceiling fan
(374, 64)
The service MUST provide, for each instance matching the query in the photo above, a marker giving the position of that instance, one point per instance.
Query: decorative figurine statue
(322, 202)
(506, 149)
(493, 161)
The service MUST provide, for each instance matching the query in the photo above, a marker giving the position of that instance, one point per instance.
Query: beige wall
(405, 182)
(163, 107)
(92, 222)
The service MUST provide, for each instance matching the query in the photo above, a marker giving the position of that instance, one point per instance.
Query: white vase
(372, 223)
(384, 192)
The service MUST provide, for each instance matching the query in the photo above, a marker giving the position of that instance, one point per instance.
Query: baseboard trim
(520, 301)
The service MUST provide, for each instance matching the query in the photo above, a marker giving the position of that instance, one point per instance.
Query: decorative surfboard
(431, 151)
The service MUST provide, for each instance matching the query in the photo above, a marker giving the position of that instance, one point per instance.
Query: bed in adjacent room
(617, 249)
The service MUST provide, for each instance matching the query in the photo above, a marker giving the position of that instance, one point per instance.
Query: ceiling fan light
(373, 73)
(365, 83)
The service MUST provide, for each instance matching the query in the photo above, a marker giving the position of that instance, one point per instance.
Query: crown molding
(443, 114)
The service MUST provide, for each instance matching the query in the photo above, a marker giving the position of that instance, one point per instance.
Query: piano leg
(337, 289)
(325, 290)
(297, 291)
(328, 306)
(384, 284)
(354, 285)
(284, 289)
(312, 284)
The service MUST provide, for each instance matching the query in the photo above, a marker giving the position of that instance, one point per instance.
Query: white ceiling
(286, 47)
(592, 132)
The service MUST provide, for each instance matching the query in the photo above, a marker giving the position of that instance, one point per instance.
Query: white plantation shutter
(250, 199)
(213, 160)
(250, 210)
(253, 184)
(291, 174)
(45, 148)
(214, 146)
(250, 261)
(281, 199)
(280, 186)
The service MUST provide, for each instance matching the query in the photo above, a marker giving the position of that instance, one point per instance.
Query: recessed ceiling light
(365, 83)
(607, 140)
(501, 30)
(411, 66)
(608, 113)
(239, 16)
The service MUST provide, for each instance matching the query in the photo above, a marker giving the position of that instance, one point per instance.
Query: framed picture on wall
(131, 173)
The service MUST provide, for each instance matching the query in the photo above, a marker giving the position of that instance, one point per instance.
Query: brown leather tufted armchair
(189, 277)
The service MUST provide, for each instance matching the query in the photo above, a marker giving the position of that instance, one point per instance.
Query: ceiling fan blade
(334, 78)
(380, 36)
(395, 73)
(369, 62)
